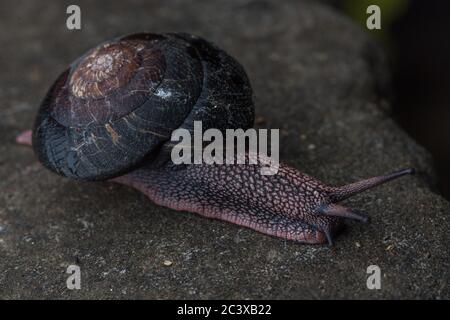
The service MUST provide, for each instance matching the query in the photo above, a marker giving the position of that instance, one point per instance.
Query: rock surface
(315, 76)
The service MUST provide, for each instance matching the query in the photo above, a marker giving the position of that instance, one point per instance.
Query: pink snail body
(110, 115)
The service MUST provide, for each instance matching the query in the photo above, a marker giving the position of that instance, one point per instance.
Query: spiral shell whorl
(107, 83)
(106, 69)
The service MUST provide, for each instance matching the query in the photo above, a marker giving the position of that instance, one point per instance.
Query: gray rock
(316, 77)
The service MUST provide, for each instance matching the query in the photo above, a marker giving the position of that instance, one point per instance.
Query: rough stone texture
(315, 76)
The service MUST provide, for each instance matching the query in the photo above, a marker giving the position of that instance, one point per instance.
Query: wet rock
(313, 76)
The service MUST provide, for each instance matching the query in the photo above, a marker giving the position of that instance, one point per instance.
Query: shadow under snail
(109, 116)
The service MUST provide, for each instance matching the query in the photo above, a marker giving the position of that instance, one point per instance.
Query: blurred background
(415, 36)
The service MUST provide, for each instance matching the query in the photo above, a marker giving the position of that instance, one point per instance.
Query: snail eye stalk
(338, 194)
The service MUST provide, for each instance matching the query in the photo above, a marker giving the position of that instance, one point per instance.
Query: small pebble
(167, 263)
(311, 146)
(274, 56)
(389, 247)
(357, 244)
(260, 120)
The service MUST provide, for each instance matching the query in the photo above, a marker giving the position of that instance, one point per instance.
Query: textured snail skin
(110, 115)
(289, 205)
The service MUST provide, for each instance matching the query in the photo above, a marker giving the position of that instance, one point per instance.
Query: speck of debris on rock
(167, 263)
(311, 146)
(357, 244)
(260, 120)
(390, 247)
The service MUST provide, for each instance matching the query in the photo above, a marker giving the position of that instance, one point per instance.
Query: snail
(110, 114)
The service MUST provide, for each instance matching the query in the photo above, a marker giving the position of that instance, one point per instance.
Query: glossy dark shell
(118, 104)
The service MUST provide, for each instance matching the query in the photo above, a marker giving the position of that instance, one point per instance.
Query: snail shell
(119, 103)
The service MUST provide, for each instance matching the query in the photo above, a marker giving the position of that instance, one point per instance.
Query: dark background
(416, 37)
